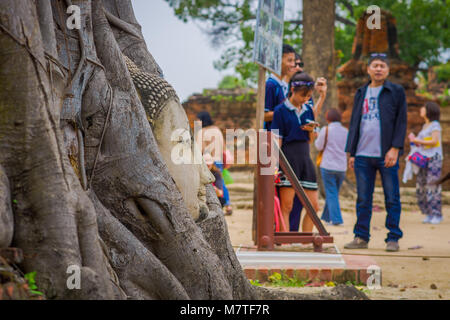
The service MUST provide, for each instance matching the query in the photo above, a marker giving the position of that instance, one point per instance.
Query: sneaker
(436, 220)
(392, 246)
(357, 243)
(427, 219)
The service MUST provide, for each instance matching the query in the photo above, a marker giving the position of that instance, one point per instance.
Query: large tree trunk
(321, 61)
(318, 45)
(78, 157)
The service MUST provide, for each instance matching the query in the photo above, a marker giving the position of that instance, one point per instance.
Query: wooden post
(266, 194)
(260, 102)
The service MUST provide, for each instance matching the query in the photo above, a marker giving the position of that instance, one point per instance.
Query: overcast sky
(181, 49)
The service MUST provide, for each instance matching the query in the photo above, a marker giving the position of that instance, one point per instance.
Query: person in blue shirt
(276, 87)
(276, 93)
(290, 125)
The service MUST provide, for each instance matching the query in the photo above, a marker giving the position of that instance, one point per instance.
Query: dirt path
(403, 277)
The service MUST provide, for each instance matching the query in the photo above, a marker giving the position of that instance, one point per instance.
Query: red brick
(325, 275)
(363, 275)
(351, 275)
(342, 276)
(301, 274)
(337, 274)
(262, 274)
(313, 274)
(289, 273)
(250, 273)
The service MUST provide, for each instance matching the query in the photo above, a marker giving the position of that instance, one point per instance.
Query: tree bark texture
(318, 45)
(321, 61)
(79, 159)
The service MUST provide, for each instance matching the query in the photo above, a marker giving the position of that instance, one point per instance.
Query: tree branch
(345, 21)
(338, 18)
(123, 25)
(348, 5)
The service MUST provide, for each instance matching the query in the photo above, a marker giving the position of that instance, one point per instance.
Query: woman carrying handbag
(332, 161)
(429, 197)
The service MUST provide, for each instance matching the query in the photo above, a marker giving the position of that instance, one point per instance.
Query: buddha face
(172, 133)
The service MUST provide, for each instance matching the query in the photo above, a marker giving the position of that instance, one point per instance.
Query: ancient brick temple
(229, 109)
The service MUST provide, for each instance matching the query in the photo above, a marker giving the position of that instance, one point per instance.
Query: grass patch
(277, 279)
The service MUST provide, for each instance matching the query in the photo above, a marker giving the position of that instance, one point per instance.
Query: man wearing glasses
(375, 142)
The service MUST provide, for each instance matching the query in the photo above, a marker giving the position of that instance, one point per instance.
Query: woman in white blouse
(331, 141)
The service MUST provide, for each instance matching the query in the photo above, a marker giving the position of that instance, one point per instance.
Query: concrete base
(297, 260)
(306, 266)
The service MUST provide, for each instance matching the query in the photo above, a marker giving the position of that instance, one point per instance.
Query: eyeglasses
(302, 84)
(383, 55)
(299, 64)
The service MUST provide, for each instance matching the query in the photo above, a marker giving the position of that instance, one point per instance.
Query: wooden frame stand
(265, 235)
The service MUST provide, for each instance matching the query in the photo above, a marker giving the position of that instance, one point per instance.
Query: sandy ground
(403, 277)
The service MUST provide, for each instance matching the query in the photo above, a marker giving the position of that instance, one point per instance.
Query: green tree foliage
(422, 29)
(232, 82)
(443, 73)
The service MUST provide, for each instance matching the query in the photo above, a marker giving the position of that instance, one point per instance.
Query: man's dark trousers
(365, 172)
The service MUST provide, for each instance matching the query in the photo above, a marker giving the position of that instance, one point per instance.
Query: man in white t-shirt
(375, 141)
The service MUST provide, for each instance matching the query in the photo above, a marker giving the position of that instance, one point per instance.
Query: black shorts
(297, 153)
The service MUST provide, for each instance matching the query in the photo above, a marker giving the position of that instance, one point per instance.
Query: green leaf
(275, 277)
(255, 282)
(36, 292)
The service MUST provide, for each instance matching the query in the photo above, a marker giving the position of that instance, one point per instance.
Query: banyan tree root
(130, 234)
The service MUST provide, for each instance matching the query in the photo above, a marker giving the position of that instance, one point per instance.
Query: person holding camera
(293, 124)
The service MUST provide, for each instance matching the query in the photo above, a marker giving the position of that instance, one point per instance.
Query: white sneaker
(427, 219)
(436, 220)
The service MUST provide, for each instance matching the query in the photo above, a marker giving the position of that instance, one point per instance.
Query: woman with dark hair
(210, 139)
(333, 166)
(429, 141)
(293, 127)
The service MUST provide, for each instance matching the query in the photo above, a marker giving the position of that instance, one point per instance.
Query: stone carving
(167, 116)
(153, 90)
